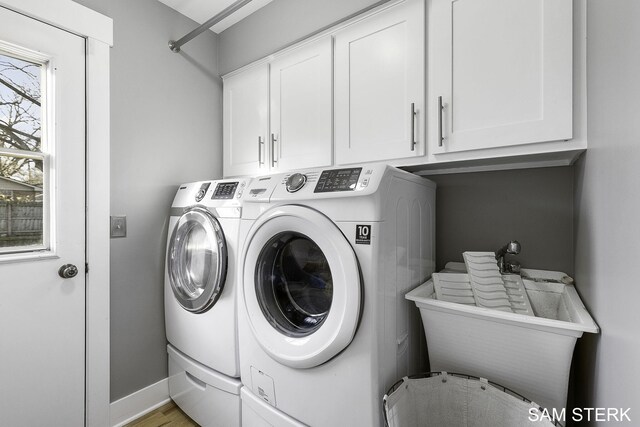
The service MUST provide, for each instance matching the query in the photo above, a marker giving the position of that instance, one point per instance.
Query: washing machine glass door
(302, 286)
(294, 284)
(197, 260)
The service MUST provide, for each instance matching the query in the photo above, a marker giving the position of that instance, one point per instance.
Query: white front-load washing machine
(200, 291)
(327, 256)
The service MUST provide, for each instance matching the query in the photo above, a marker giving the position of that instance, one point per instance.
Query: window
(23, 158)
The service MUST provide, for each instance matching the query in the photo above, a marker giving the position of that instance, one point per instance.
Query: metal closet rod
(175, 45)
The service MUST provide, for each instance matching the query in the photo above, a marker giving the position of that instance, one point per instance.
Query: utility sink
(528, 354)
(552, 297)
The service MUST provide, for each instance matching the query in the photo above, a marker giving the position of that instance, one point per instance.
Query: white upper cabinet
(277, 115)
(500, 73)
(300, 130)
(380, 85)
(246, 122)
(504, 87)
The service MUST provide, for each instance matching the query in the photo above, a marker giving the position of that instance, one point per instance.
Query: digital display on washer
(338, 180)
(225, 190)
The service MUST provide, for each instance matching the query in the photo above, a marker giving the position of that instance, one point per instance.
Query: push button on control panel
(242, 185)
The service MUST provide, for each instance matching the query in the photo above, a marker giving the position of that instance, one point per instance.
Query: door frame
(97, 29)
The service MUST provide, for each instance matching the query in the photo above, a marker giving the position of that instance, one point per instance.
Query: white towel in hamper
(450, 401)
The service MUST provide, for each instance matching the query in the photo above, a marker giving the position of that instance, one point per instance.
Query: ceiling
(203, 10)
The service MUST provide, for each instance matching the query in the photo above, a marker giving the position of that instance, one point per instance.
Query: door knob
(68, 271)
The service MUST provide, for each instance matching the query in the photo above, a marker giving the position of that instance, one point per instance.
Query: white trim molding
(139, 403)
(97, 341)
(67, 15)
(98, 31)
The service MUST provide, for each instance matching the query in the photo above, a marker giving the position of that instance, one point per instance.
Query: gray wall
(278, 24)
(166, 128)
(484, 211)
(607, 205)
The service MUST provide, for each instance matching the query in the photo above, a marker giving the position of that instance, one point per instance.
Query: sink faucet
(513, 247)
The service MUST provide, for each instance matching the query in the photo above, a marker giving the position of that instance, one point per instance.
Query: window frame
(46, 154)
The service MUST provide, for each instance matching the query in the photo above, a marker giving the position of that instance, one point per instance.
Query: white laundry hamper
(441, 399)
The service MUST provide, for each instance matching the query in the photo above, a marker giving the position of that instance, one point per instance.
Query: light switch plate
(118, 226)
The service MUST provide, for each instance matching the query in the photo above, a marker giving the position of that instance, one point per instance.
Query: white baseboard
(139, 403)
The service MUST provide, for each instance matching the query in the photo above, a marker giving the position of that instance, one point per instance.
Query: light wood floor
(166, 415)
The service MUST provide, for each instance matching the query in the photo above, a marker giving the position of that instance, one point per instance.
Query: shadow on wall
(582, 377)
(585, 361)
(209, 74)
(482, 211)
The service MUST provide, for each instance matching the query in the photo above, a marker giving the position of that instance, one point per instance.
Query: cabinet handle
(413, 126)
(440, 108)
(260, 144)
(273, 150)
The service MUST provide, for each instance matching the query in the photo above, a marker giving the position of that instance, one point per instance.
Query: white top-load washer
(327, 256)
(200, 300)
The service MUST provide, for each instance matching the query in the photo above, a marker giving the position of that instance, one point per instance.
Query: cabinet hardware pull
(413, 126)
(440, 108)
(273, 150)
(260, 144)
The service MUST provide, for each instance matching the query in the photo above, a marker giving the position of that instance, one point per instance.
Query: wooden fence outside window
(20, 223)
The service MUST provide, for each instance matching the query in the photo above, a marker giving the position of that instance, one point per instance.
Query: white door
(42, 223)
(500, 73)
(379, 86)
(245, 107)
(300, 131)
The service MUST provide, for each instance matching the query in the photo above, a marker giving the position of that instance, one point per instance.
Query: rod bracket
(173, 46)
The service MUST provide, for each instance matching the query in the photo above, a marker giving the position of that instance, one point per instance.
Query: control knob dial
(295, 182)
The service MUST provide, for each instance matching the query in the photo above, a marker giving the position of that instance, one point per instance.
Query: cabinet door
(500, 73)
(379, 85)
(300, 131)
(245, 122)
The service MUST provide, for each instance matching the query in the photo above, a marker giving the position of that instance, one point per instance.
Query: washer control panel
(225, 196)
(338, 180)
(318, 184)
(224, 190)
